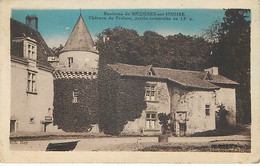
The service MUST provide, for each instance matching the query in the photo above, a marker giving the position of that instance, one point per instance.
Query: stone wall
(227, 97)
(160, 105)
(190, 104)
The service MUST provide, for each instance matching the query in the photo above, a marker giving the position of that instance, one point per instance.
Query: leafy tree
(232, 55)
(176, 51)
(56, 50)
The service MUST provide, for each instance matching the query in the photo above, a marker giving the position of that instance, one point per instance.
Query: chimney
(32, 21)
(212, 70)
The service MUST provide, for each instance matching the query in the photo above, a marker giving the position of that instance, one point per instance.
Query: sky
(56, 25)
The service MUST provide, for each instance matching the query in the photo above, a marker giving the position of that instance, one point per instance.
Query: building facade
(31, 79)
(191, 97)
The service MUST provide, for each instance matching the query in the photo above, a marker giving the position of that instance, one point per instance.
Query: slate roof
(80, 38)
(21, 30)
(187, 78)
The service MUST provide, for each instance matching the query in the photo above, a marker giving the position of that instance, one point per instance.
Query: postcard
(129, 82)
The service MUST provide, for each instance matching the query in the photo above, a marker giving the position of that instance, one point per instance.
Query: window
(70, 61)
(31, 82)
(151, 118)
(32, 120)
(31, 51)
(207, 110)
(75, 95)
(150, 93)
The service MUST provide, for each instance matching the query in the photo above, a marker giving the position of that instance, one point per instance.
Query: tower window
(70, 61)
(75, 95)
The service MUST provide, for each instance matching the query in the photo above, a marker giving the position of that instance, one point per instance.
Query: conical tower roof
(80, 38)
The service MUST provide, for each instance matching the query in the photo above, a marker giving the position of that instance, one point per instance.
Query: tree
(175, 51)
(232, 55)
(56, 50)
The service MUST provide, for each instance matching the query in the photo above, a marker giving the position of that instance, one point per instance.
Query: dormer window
(150, 72)
(30, 49)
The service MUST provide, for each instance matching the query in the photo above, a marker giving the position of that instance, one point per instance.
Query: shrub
(221, 117)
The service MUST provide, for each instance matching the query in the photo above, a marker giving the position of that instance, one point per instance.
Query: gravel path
(131, 143)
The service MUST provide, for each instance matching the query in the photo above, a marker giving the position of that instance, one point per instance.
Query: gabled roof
(187, 78)
(20, 30)
(80, 38)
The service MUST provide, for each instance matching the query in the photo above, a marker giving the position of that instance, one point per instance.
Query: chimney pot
(32, 21)
(212, 70)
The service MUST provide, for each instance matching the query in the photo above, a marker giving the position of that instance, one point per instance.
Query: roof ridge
(160, 68)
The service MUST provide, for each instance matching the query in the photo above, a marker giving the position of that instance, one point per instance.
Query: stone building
(191, 97)
(31, 79)
(75, 87)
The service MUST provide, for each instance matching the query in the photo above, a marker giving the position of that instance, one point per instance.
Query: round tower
(78, 58)
(75, 82)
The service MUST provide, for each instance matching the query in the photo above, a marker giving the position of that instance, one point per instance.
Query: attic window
(150, 72)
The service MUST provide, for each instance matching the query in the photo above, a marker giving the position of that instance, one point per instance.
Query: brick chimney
(32, 21)
(212, 70)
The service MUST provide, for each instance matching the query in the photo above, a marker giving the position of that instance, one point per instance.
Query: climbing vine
(77, 116)
(121, 100)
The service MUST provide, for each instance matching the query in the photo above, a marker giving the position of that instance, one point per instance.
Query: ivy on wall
(76, 117)
(120, 100)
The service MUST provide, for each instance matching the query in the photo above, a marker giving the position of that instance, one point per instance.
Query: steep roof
(19, 29)
(187, 78)
(80, 38)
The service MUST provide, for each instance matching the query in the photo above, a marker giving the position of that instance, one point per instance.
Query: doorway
(182, 129)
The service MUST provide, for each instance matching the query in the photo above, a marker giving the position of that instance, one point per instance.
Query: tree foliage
(76, 117)
(232, 55)
(221, 118)
(56, 50)
(174, 51)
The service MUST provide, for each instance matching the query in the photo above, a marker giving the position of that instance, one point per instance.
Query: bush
(164, 121)
(221, 118)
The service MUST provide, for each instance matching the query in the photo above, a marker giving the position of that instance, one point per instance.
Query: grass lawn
(210, 148)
